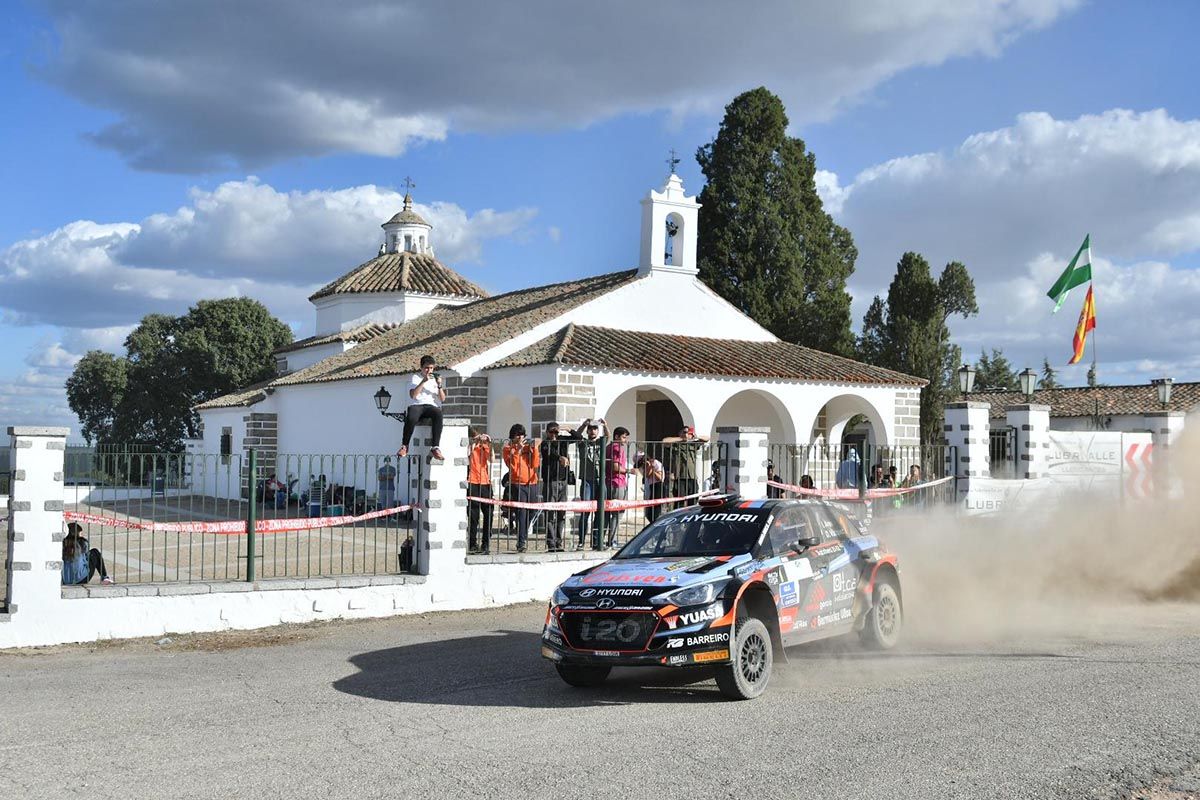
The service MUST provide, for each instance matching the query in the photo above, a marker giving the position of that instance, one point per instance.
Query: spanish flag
(1087, 322)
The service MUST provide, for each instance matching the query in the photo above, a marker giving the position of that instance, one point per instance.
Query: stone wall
(571, 399)
(262, 434)
(908, 416)
(467, 398)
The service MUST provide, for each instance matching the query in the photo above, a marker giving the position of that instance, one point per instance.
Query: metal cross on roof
(672, 162)
(409, 185)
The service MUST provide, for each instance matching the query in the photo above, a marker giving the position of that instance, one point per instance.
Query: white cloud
(243, 238)
(1014, 204)
(194, 90)
(96, 281)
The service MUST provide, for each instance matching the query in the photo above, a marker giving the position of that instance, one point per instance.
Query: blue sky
(993, 133)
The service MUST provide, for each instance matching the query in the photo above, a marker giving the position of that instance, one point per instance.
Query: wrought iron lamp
(966, 379)
(1028, 381)
(383, 399)
(1163, 385)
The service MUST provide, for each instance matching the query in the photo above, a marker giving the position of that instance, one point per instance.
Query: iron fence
(866, 466)
(184, 517)
(571, 470)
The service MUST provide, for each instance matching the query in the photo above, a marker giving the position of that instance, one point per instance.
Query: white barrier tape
(852, 494)
(589, 506)
(234, 527)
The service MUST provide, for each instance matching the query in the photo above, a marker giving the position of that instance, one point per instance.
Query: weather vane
(672, 162)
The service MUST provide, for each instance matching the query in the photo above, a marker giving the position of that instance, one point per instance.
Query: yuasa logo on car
(704, 614)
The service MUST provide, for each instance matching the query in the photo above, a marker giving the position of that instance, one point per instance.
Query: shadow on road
(506, 669)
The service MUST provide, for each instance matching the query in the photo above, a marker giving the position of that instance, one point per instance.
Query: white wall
(342, 312)
(510, 396)
(657, 303)
(299, 359)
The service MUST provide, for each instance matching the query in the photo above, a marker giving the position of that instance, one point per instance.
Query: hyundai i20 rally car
(728, 584)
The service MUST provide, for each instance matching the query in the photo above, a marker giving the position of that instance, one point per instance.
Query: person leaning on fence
(79, 561)
(773, 492)
(912, 481)
(681, 461)
(479, 484)
(653, 483)
(557, 475)
(425, 397)
(590, 460)
(806, 482)
(523, 460)
(617, 456)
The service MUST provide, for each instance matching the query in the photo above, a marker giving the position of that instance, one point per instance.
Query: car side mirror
(803, 544)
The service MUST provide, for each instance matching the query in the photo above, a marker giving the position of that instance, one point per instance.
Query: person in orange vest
(523, 460)
(479, 484)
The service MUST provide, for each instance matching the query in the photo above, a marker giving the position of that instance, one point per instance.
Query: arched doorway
(756, 408)
(651, 413)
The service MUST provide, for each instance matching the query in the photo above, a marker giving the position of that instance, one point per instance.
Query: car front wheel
(745, 676)
(581, 676)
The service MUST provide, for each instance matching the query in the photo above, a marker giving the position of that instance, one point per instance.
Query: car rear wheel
(885, 619)
(582, 676)
(745, 676)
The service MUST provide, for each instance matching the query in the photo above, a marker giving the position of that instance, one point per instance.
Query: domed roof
(407, 216)
(403, 272)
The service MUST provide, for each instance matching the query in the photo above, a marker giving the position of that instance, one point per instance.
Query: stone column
(745, 452)
(966, 427)
(1031, 423)
(35, 529)
(443, 517)
(1166, 427)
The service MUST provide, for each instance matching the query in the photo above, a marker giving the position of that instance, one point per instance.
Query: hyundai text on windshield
(726, 584)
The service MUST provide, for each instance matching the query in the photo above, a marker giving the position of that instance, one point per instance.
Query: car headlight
(560, 598)
(691, 595)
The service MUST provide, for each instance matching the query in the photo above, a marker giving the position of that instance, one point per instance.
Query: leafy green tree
(765, 242)
(1049, 379)
(95, 390)
(170, 365)
(995, 372)
(909, 331)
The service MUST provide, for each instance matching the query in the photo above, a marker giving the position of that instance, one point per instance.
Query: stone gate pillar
(745, 452)
(35, 529)
(443, 518)
(1031, 423)
(966, 429)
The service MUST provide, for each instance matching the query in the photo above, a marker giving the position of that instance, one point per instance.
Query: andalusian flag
(1087, 322)
(1078, 272)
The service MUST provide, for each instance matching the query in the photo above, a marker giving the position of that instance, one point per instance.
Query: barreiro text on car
(727, 583)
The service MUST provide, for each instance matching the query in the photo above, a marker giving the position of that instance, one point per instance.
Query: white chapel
(649, 347)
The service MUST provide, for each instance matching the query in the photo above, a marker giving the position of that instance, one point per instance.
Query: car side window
(790, 525)
(826, 526)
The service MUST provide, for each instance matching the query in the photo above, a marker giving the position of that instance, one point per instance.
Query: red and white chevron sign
(1139, 471)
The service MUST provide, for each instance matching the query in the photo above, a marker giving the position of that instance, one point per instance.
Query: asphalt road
(460, 705)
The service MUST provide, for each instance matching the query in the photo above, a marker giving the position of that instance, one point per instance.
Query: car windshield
(697, 533)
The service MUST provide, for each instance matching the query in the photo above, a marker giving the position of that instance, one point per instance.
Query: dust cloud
(1067, 570)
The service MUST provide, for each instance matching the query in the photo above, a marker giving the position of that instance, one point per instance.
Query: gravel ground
(460, 705)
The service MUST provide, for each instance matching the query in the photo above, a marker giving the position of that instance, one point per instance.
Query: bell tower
(669, 219)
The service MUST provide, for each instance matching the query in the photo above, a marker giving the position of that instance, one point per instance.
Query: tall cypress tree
(909, 332)
(765, 243)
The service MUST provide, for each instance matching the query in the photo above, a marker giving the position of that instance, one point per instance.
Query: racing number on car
(609, 630)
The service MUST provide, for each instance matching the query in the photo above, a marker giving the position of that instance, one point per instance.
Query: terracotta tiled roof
(402, 272)
(362, 333)
(1081, 401)
(607, 348)
(242, 398)
(456, 333)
